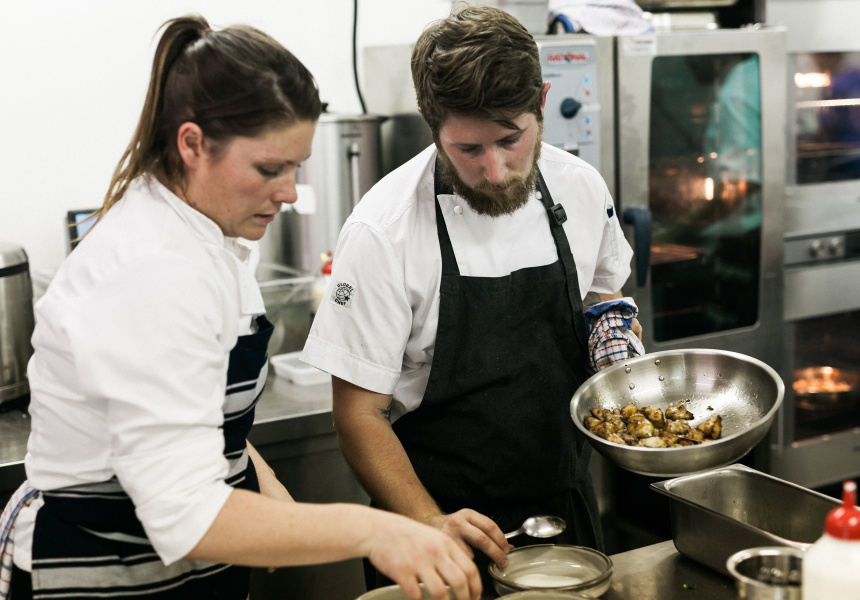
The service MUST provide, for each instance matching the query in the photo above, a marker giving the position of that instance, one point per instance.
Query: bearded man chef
(453, 326)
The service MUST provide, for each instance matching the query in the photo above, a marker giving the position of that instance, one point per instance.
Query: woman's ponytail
(146, 147)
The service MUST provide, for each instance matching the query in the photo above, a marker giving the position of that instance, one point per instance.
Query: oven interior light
(812, 80)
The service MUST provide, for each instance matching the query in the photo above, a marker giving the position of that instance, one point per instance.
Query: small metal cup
(767, 573)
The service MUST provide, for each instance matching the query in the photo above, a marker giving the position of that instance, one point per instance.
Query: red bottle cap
(844, 522)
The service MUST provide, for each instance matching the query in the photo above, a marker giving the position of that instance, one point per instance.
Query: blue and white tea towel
(22, 497)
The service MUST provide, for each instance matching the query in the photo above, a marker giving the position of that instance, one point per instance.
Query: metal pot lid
(11, 255)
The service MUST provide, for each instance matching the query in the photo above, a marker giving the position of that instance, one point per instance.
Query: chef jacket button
(458, 209)
(538, 195)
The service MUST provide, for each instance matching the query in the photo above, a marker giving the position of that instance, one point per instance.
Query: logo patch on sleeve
(342, 294)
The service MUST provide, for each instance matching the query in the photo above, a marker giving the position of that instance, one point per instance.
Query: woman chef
(150, 353)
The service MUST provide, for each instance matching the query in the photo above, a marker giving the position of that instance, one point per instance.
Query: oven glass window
(827, 112)
(826, 384)
(704, 193)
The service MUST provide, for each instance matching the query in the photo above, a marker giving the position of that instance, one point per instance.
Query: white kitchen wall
(73, 75)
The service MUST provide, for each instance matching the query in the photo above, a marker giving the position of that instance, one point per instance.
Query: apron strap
(449, 260)
(556, 215)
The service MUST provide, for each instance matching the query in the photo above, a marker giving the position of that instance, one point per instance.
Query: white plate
(290, 367)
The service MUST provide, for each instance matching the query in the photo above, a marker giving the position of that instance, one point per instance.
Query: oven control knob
(569, 107)
(816, 249)
(834, 246)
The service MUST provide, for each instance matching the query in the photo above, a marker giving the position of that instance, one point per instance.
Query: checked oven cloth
(611, 337)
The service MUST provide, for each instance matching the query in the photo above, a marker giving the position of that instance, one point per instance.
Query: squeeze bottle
(831, 566)
(322, 281)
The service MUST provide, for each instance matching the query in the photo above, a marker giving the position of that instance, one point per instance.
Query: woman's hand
(269, 484)
(409, 553)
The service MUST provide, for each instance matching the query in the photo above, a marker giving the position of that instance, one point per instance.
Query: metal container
(533, 14)
(345, 162)
(715, 514)
(746, 392)
(772, 573)
(16, 322)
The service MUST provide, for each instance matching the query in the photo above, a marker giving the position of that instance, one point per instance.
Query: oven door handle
(640, 218)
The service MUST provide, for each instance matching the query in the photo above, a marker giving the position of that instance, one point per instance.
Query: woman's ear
(189, 143)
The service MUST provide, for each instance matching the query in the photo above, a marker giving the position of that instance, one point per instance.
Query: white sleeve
(613, 261)
(152, 343)
(360, 332)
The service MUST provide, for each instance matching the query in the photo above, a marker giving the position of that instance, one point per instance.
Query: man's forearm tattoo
(591, 298)
(386, 412)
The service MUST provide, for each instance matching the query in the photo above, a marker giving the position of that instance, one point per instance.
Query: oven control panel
(572, 111)
(822, 248)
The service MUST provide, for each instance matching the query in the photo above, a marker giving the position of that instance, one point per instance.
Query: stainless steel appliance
(700, 147)
(703, 208)
(579, 116)
(691, 143)
(16, 324)
(817, 438)
(531, 13)
(345, 163)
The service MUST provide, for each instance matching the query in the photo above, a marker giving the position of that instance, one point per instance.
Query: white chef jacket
(129, 370)
(376, 326)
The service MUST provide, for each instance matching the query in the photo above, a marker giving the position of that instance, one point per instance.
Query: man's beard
(482, 199)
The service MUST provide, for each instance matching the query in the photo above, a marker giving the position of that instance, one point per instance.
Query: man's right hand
(471, 529)
(409, 553)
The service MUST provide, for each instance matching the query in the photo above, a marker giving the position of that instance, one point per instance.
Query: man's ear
(189, 143)
(546, 86)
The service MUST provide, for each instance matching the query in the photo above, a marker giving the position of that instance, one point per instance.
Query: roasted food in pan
(651, 428)
(744, 391)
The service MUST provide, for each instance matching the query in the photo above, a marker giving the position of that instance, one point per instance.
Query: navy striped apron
(88, 543)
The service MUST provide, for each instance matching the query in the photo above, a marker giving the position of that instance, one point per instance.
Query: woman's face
(243, 185)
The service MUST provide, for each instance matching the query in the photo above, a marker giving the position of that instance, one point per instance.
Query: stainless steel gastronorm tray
(720, 512)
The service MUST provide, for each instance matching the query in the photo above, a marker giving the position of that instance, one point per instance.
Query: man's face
(493, 168)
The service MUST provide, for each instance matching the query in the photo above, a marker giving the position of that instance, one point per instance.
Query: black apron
(493, 431)
(88, 543)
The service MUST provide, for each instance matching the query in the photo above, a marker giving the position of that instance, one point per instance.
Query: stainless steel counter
(659, 572)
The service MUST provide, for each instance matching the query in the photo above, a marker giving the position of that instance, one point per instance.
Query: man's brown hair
(479, 62)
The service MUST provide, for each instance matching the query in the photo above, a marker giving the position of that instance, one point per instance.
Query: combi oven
(688, 129)
(816, 440)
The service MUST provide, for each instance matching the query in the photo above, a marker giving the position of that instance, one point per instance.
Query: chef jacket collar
(244, 253)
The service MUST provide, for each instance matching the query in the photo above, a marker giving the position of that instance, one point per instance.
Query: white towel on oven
(600, 17)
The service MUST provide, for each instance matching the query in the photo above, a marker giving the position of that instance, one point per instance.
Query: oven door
(816, 438)
(701, 172)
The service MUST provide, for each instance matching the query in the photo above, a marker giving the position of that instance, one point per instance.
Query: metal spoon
(541, 526)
